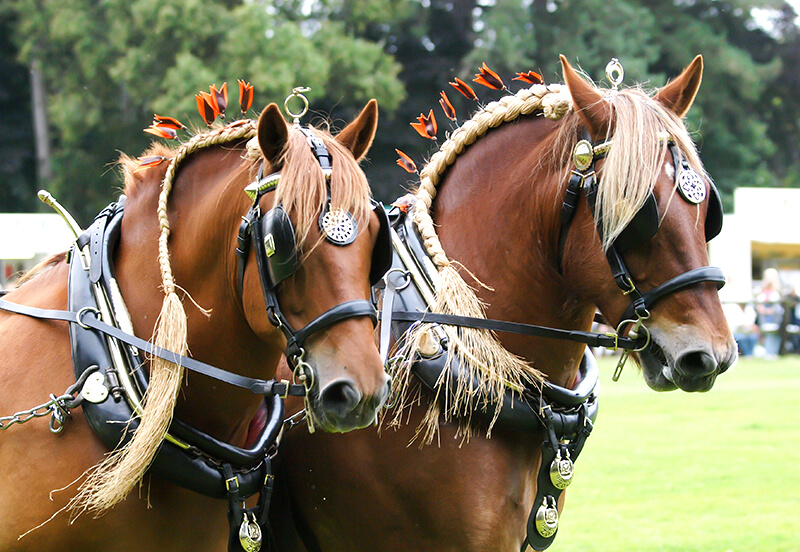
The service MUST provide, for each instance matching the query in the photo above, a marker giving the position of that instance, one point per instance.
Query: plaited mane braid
(478, 350)
(111, 480)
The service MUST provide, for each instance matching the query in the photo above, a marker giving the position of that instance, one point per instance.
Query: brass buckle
(286, 384)
(228, 483)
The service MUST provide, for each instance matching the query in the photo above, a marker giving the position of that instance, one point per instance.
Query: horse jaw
(680, 359)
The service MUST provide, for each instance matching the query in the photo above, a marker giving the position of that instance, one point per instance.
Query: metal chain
(57, 407)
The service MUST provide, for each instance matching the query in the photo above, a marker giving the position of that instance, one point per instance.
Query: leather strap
(348, 309)
(694, 276)
(87, 318)
(589, 338)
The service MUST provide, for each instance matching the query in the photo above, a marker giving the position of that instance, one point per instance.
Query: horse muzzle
(692, 369)
(340, 405)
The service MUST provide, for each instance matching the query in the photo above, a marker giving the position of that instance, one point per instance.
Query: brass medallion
(250, 534)
(547, 517)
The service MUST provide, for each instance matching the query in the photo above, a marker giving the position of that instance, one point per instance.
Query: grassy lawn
(710, 472)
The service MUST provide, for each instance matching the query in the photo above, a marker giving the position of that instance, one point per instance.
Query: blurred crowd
(769, 324)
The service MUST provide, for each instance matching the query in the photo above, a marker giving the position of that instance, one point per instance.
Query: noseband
(276, 252)
(642, 227)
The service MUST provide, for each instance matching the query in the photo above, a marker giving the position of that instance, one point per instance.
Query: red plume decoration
(149, 162)
(531, 77)
(464, 88)
(219, 98)
(245, 95)
(447, 107)
(167, 122)
(162, 132)
(406, 162)
(426, 127)
(489, 78)
(205, 107)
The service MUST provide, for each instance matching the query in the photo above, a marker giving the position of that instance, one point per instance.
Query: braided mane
(480, 352)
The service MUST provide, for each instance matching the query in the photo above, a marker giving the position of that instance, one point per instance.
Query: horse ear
(272, 134)
(679, 94)
(589, 103)
(358, 135)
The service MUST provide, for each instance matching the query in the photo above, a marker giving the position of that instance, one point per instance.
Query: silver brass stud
(583, 155)
(547, 517)
(94, 389)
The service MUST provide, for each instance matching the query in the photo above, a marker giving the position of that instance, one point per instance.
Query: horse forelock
(303, 190)
(634, 162)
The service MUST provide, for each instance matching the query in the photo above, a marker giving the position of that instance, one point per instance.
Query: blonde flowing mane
(302, 190)
(629, 174)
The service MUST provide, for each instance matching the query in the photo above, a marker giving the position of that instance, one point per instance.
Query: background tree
(108, 66)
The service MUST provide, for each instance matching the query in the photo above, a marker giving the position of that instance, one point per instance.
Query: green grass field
(709, 472)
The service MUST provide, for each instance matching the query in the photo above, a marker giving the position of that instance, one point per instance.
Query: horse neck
(205, 209)
(497, 212)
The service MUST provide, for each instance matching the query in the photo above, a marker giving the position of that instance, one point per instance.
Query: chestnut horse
(317, 296)
(497, 206)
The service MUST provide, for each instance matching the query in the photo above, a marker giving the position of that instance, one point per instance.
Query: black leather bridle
(643, 227)
(252, 232)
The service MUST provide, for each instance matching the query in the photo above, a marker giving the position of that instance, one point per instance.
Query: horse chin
(322, 421)
(660, 374)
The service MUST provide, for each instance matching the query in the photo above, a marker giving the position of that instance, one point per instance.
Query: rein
(90, 318)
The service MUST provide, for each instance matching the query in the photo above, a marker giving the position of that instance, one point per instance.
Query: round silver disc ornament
(547, 517)
(561, 471)
(339, 227)
(691, 186)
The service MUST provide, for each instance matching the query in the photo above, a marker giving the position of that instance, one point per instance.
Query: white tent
(25, 238)
(763, 231)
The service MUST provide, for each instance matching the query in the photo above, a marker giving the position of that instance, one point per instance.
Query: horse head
(649, 212)
(320, 245)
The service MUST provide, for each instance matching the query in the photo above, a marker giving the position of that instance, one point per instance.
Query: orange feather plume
(489, 78)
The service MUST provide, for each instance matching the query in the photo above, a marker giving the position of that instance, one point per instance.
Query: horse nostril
(377, 400)
(696, 363)
(340, 397)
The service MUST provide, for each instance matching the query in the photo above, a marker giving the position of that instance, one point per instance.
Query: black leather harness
(188, 457)
(565, 416)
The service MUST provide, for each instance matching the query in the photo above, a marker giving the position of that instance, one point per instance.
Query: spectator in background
(791, 301)
(770, 312)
